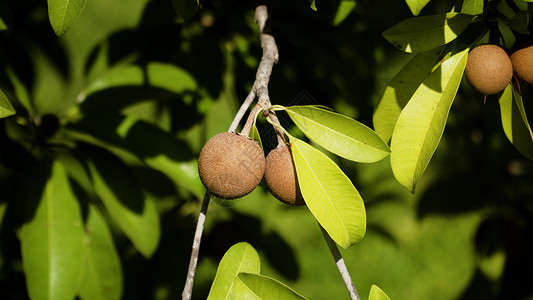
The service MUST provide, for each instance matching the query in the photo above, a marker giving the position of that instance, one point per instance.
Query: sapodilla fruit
(488, 69)
(522, 61)
(231, 165)
(280, 176)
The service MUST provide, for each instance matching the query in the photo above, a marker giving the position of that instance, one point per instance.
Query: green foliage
(472, 7)
(339, 134)
(64, 13)
(425, 33)
(377, 294)
(52, 238)
(329, 194)
(421, 123)
(416, 5)
(255, 286)
(345, 8)
(6, 109)
(514, 121)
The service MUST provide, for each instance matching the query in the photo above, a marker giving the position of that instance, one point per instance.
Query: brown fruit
(231, 165)
(488, 69)
(280, 176)
(523, 64)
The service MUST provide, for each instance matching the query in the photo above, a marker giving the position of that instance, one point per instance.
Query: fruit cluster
(232, 165)
(489, 69)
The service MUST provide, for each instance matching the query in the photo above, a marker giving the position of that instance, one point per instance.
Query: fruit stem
(339, 261)
(187, 290)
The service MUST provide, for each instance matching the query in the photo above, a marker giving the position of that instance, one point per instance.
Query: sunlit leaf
(514, 121)
(64, 13)
(241, 257)
(255, 286)
(401, 88)
(343, 11)
(339, 134)
(103, 274)
(421, 123)
(416, 5)
(377, 294)
(52, 239)
(146, 142)
(329, 194)
(419, 34)
(472, 7)
(186, 8)
(313, 4)
(155, 74)
(6, 109)
(136, 216)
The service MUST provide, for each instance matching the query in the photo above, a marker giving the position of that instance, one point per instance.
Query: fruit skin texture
(523, 64)
(231, 165)
(488, 69)
(280, 176)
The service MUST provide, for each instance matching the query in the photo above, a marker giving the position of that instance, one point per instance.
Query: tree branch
(260, 89)
(339, 261)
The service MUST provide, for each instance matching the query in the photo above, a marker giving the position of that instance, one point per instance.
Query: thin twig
(260, 89)
(187, 290)
(339, 261)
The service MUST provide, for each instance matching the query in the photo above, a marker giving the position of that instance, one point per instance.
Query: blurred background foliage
(466, 234)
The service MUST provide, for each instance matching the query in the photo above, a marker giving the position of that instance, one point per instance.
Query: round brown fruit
(231, 165)
(488, 69)
(280, 176)
(522, 61)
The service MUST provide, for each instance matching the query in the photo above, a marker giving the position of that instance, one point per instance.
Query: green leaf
(514, 121)
(103, 273)
(339, 134)
(6, 109)
(155, 74)
(64, 13)
(421, 123)
(312, 4)
(472, 7)
(6, 19)
(416, 5)
(241, 257)
(377, 294)
(146, 142)
(329, 194)
(255, 286)
(343, 11)
(186, 8)
(401, 88)
(136, 216)
(424, 33)
(254, 135)
(52, 239)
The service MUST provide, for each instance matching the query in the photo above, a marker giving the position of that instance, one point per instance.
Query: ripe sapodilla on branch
(280, 176)
(488, 69)
(231, 165)
(523, 64)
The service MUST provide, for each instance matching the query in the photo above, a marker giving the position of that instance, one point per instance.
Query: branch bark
(260, 89)
(339, 261)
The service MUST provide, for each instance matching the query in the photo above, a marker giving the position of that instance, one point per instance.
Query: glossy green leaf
(401, 88)
(255, 286)
(329, 194)
(77, 172)
(472, 7)
(146, 142)
(123, 199)
(64, 13)
(514, 121)
(377, 294)
(241, 257)
(419, 34)
(416, 5)
(343, 11)
(52, 240)
(155, 74)
(6, 109)
(103, 274)
(312, 4)
(186, 8)
(339, 134)
(421, 123)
